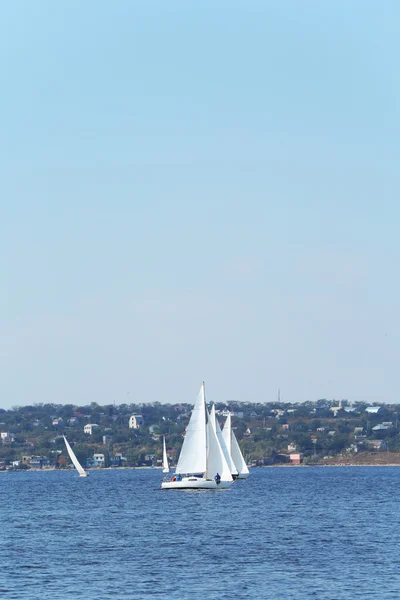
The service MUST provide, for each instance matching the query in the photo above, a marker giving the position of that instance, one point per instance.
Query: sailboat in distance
(75, 461)
(202, 464)
(234, 449)
(227, 453)
(165, 458)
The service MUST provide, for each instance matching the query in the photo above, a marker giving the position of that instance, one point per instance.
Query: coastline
(319, 465)
(362, 459)
(91, 470)
(277, 466)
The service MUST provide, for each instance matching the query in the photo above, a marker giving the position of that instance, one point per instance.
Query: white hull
(195, 484)
(243, 475)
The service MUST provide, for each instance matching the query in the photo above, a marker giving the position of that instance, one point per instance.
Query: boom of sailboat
(209, 458)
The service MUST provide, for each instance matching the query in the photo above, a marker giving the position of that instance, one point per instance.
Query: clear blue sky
(196, 191)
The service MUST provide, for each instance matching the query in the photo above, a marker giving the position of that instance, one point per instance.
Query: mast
(205, 419)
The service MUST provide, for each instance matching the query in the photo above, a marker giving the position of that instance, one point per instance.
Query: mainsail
(233, 449)
(227, 453)
(216, 461)
(238, 459)
(193, 456)
(165, 458)
(76, 463)
(226, 434)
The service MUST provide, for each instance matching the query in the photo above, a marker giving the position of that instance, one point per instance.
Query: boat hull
(243, 475)
(196, 484)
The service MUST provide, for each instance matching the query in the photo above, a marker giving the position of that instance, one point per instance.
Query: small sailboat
(75, 461)
(201, 464)
(234, 449)
(227, 454)
(165, 458)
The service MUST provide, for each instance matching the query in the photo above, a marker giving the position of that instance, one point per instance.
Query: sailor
(217, 478)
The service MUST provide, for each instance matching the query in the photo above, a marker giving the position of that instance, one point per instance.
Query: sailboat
(76, 463)
(165, 458)
(201, 464)
(227, 454)
(234, 450)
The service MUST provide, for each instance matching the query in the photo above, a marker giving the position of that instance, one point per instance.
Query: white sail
(193, 456)
(216, 461)
(233, 449)
(226, 434)
(222, 443)
(76, 463)
(238, 459)
(165, 458)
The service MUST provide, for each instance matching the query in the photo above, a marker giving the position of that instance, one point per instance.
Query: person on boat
(178, 477)
(217, 478)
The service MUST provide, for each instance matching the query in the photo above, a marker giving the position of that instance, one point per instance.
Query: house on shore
(89, 428)
(296, 458)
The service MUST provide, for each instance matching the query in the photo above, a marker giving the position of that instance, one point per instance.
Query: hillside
(322, 432)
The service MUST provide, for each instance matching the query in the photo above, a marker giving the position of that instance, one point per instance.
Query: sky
(199, 191)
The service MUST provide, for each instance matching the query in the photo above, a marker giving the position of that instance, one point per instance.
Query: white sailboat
(227, 454)
(201, 464)
(234, 450)
(165, 458)
(76, 463)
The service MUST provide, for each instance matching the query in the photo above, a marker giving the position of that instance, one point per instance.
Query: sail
(238, 456)
(193, 456)
(216, 462)
(165, 458)
(227, 454)
(75, 461)
(226, 434)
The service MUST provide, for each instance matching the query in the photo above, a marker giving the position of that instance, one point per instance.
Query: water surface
(285, 533)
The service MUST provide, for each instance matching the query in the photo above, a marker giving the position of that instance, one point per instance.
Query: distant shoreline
(327, 465)
(52, 469)
(277, 466)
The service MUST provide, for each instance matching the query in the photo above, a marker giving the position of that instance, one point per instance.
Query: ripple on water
(282, 534)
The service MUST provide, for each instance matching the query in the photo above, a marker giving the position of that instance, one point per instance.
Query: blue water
(301, 533)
